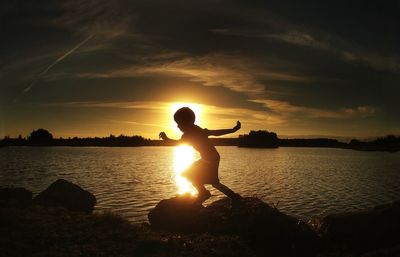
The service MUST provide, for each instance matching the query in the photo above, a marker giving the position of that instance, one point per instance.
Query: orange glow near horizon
(184, 155)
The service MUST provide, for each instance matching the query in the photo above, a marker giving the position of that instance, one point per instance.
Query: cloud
(299, 62)
(137, 123)
(290, 36)
(106, 19)
(219, 115)
(363, 111)
(321, 40)
(210, 71)
(143, 105)
(379, 62)
(233, 72)
(285, 109)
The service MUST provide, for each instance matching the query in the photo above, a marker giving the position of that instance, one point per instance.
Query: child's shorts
(202, 172)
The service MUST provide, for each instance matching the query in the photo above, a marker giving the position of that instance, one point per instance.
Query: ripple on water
(305, 182)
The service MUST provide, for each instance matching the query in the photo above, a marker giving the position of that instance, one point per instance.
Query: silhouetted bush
(355, 142)
(40, 136)
(260, 138)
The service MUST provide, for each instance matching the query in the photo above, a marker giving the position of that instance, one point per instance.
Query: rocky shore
(59, 222)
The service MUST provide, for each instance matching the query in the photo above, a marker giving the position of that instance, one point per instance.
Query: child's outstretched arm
(220, 132)
(164, 137)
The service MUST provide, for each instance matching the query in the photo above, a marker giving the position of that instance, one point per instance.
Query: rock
(179, 213)
(63, 193)
(364, 230)
(266, 227)
(15, 196)
(262, 225)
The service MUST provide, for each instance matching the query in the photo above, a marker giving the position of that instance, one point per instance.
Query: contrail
(59, 59)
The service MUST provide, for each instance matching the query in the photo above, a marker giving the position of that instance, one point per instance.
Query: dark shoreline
(37, 227)
(344, 146)
(255, 139)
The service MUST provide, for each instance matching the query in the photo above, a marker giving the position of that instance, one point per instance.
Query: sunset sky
(99, 67)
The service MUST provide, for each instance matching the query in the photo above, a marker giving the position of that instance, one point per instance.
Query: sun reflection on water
(183, 157)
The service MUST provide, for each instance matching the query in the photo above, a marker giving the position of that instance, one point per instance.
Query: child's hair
(184, 115)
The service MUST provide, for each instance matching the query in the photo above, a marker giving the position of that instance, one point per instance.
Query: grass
(39, 231)
(57, 232)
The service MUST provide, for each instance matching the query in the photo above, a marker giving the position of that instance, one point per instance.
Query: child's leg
(226, 190)
(200, 188)
(204, 194)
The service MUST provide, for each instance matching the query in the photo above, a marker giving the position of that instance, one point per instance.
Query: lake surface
(305, 182)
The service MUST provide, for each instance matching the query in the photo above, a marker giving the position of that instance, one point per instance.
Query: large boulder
(15, 196)
(269, 230)
(364, 230)
(63, 193)
(179, 213)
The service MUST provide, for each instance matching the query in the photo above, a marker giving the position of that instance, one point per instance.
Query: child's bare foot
(203, 196)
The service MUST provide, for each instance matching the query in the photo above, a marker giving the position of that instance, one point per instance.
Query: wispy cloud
(144, 105)
(380, 62)
(285, 109)
(137, 123)
(344, 49)
(290, 36)
(107, 19)
(233, 72)
(219, 115)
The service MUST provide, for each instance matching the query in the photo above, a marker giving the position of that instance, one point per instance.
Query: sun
(196, 108)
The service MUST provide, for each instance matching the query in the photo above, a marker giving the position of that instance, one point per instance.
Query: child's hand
(163, 136)
(238, 126)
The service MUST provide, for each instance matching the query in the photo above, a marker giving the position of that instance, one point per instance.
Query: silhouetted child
(205, 170)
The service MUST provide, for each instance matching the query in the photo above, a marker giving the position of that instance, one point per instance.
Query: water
(305, 182)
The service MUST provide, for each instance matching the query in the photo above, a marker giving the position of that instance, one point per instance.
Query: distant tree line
(255, 139)
(265, 139)
(387, 143)
(42, 137)
(311, 142)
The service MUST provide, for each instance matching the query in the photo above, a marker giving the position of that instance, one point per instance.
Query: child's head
(185, 118)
